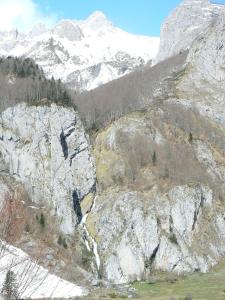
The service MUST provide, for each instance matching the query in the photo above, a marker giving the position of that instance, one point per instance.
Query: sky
(135, 16)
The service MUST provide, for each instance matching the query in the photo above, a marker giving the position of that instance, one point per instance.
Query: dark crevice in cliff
(93, 188)
(64, 136)
(154, 253)
(76, 206)
(195, 220)
(174, 266)
(171, 224)
(64, 144)
(75, 154)
(197, 211)
(69, 132)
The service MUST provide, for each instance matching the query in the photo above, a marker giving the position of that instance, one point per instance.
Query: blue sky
(135, 16)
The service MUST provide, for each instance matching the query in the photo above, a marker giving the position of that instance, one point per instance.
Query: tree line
(22, 80)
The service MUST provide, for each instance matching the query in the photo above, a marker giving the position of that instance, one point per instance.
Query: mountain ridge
(72, 47)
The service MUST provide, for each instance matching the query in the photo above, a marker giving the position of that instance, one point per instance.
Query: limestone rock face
(46, 149)
(186, 23)
(146, 218)
(140, 231)
(203, 83)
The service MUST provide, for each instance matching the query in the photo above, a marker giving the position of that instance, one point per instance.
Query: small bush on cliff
(190, 138)
(27, 228)
(42, 220)
(173, 239)
(62, 242)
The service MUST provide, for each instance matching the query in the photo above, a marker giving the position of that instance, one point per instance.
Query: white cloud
(23, 15)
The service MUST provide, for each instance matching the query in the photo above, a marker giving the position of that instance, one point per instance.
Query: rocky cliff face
(158, 205)
(186, 23)
(160, 202)
(47, 150)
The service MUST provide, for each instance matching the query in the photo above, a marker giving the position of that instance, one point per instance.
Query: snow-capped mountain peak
(37, 30)
(96, 21)
(83, 53)
(68, 29)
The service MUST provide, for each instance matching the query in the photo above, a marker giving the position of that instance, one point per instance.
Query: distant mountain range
(84, 54)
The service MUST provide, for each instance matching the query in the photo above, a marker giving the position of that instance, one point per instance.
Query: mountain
(160, 166)
(186, 23)
(84, 54)
(140, 189)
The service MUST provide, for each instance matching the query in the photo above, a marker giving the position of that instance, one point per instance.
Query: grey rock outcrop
(186, 23)
(203, 83)
(141, 232)
(47, 150)
(155, 215)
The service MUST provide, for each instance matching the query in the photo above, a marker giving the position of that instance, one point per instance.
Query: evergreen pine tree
(10, 288)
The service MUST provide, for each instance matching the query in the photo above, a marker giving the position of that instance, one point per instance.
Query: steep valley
(121, 189)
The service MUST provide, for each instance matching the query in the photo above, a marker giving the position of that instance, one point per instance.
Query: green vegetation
(22, 80)
(173, 239)
(209, 286)
(154, 158)
(27, 228)
(114, 295)
(42, 220)
(190, 138)
(62, 242)
(197, 286)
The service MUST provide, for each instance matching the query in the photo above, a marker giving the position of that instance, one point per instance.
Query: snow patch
(33, 280)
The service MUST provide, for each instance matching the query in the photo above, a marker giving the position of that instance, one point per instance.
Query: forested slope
(22, 80)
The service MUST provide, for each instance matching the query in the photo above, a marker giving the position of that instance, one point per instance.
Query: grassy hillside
(198, 286)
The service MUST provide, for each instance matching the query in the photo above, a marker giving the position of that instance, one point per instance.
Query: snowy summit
(83, 53)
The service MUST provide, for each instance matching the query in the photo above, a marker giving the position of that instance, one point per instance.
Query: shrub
(190, 138)
(65, 244)
(27, 228)
(62, 242)
(113, 295)
(42, 220)
(173, 239)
